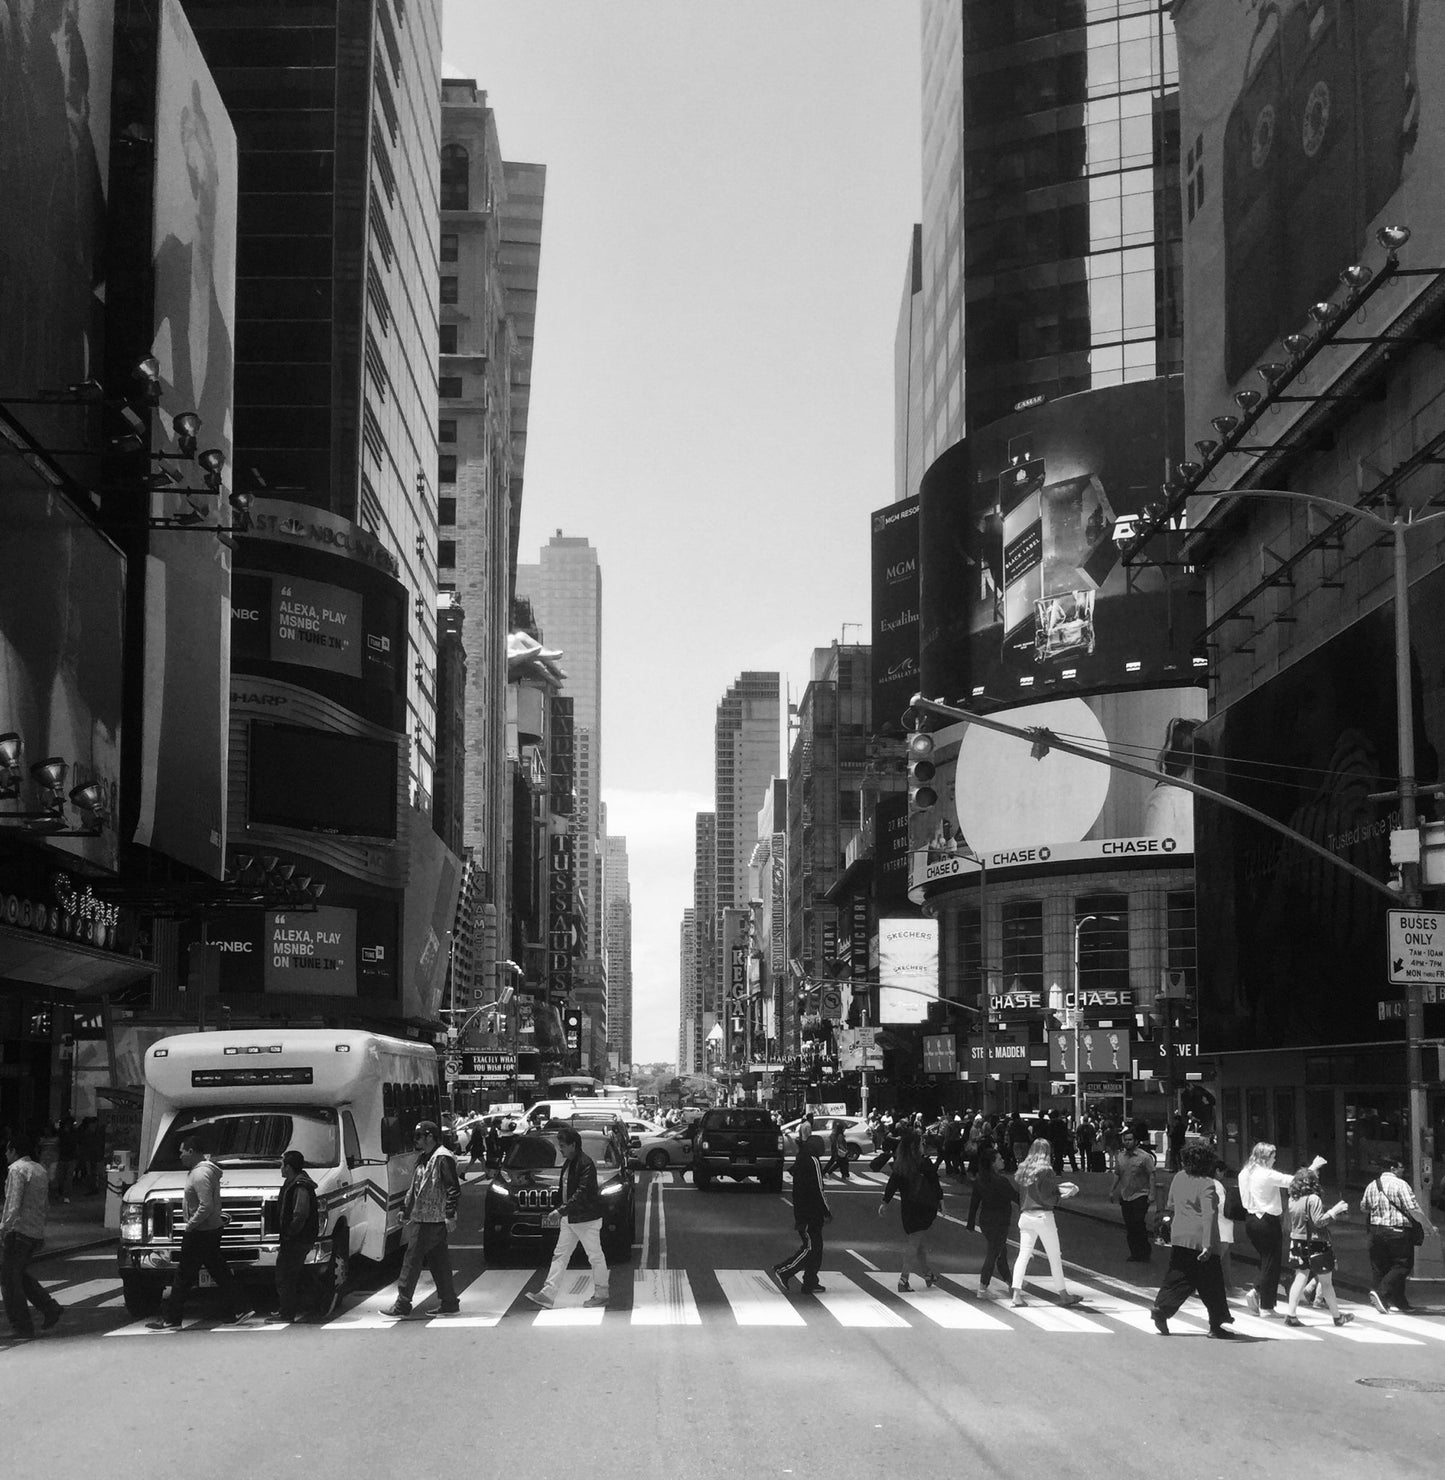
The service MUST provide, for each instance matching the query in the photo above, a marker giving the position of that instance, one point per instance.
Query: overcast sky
(731, 188)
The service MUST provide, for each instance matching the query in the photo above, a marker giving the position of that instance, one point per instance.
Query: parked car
(738, 1141)
(855, 1133)
(526, 1189)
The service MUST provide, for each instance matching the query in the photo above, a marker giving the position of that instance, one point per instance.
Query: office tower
(707, 972)
(1050, 234)
(336, 114)
(689, 1057)
(488, 306)
(617, 893)
(746, 751)
(565, 589)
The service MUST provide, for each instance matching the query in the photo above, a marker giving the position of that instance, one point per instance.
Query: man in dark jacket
(810, 1213)
(300, 1220)
(578, 1220)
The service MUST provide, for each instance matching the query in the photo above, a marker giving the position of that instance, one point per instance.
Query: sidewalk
(78, 1224)
(1348, 1236)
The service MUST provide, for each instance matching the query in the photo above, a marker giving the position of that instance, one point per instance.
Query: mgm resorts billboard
(1022, 589)
(1307, 127)
(1018, 813)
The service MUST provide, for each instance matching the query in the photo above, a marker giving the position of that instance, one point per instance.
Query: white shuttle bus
(348, 1101)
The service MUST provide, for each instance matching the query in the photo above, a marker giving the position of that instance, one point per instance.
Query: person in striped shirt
(1390, 1208)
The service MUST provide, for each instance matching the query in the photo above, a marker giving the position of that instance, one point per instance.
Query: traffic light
(922, 795)
(572, 1029)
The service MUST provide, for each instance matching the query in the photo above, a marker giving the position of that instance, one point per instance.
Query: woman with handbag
(990, 1207)
(1310, 1250)
(915, 1180)
(1397, 1229)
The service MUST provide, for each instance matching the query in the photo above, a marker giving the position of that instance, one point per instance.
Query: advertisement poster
(1307, 125)
(1023, 592)
(188, 580)
(999, 801)
(1294, 952)
(895, 613)
(907, 969)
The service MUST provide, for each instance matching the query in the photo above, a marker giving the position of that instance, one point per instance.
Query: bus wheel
(142, 1296)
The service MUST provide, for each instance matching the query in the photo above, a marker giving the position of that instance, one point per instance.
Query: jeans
(1136, 1225)
(809, 1258)
(589, 1234)
(21, 1289)
(427, 1249)
(1039, 1227)
(294, 1282)
(995, 1260)
(838, 1162)
(201, 1249)
(1266, 1234)
(1190, 1275)
(915, 1252)
(1391, 1259)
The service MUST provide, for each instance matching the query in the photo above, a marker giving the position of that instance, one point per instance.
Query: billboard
(895, 613)
(1099, 1050)
(188, 578)
(1306, 126)
(331, 951)
(907, 969)
(1022, 589)
(62, 620)
(1016, 811)
(323, 782)
(1292, 952)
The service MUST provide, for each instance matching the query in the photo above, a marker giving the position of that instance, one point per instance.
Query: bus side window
(350, 1139)
(391, 1142)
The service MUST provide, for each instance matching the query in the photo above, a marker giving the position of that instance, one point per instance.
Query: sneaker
(1016, 1300)
(1221, 1333)
(1293, 1321)
(449, 1310)
(1377, 1302)
(929, 1281)
(240, 1318)
(162, 1324)
(1318, 1301)
(1344, 1318)
(904, 1286)
(52, 1319)
(784, 1281)
(597, 1302)
(1251, 1299)
(815, 1289)
(397, 1312)
(1161, 1322)
(1070, 1297)
(983, 1292)
(537, 1298)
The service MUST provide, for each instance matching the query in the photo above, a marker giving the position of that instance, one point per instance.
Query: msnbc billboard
(1305, 126)
(997, 802)
(1023, 592)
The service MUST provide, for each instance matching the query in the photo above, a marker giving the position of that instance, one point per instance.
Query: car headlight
(499, 1190)
(706, 1146)
(612, 1189)
(132, 1222)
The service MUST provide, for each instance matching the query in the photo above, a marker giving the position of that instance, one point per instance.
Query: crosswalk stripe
(138, 1328)
(1365, 1335)
(943, 1309)
(366, 1315)
(1399, 1321)
(663, 1297)
(73, 1294)
(756, 1300)
(576, 1287)
(1058, 1318)
(487, 1299)
(851, 1305)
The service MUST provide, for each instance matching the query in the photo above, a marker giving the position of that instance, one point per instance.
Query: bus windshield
(249, 1135)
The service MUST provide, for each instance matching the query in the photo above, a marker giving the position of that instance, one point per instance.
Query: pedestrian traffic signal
(922, 795)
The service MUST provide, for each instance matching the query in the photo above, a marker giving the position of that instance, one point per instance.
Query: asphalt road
(700, 1368)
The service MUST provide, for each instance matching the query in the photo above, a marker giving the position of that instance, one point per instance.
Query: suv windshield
(239, 1136)
(538, 1152)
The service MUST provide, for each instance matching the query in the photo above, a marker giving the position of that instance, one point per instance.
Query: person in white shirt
(1260, 1189)
(22, 1231)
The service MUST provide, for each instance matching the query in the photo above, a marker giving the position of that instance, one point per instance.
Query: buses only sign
(1417, 946)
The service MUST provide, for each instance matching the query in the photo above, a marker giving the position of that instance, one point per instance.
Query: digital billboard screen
(1306, 125)
(1023, 592)
(323, 782)
(895, 613)
(1016, 811)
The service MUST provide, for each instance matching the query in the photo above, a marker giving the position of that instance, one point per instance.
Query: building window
(1103, 942)
(449, 246)
(449, 290)
(447, 468)
(446, 511)
(450, 386)
(1023, 945)
(456, 195)
(446, 430)
(446, 554)
(447, 338)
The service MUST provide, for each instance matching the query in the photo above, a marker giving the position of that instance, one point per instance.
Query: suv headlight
(132, 1222)
(706, 1146)
(612, 1189)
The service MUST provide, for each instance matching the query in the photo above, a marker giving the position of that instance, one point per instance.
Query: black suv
(738, 1143)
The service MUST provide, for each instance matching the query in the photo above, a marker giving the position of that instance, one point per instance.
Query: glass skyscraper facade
(1051, 238)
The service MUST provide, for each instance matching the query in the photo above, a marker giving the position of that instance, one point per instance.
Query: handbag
(1417, 1229)
(1233, 1204)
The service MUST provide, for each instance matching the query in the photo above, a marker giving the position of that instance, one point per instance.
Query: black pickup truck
(738, 1143)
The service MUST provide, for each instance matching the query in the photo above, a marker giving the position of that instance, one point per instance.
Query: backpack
(922, 1190)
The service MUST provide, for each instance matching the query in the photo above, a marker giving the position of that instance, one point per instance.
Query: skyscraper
(617, 893)
(1051, 222)
(689, 1059)
(706, 971)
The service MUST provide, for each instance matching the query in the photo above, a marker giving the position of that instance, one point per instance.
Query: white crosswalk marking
(366, 1315)
(663, 1297)
(1053, 1317)
(486, 1300)
(86, 1290)
(851, 1305)
(941, 1307)
(569, 1311)
(1399, 1321)
(1365, 1335)
(756, 1300)
(139, 1328)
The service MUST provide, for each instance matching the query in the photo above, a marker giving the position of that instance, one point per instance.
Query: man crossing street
(810, 1213)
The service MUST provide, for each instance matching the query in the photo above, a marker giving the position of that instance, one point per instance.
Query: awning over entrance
(48, 961)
